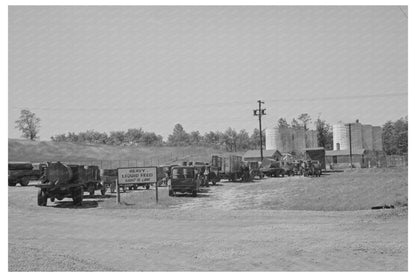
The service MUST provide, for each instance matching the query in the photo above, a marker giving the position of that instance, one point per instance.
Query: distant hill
(100, 154)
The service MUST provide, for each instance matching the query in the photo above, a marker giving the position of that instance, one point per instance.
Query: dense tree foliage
(395, 137)
(282, 123)
(305, 119)
(325, 136)
(131, 137)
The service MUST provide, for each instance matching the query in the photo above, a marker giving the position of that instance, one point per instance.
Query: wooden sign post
(118, 191)
(157, 194)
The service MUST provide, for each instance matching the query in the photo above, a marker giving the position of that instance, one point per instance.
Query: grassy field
(25, 150)
(274, 224)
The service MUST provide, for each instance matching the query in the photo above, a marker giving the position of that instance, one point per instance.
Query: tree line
(394, 135)
(229, 140)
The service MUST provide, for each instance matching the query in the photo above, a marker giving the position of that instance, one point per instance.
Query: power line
(186, 106)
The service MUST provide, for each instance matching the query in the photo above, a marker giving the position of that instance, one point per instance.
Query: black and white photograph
(207, 138)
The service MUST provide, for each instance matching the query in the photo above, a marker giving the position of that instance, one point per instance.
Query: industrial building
(255, 155)
(366, 146)
(290, 140)
(360, 158)
(366, 137)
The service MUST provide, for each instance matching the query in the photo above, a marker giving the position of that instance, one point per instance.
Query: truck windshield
(182, 173)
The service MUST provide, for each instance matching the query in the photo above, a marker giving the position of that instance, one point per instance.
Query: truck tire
(103, 190)
(42, 198)
(24, 181)
(91, 189)
(77, 195)
(147, 187)
(171, 193)
(194, 193)
(12, 184)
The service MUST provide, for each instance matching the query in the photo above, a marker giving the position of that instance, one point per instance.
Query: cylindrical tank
(58, 172)
(271, 138)
(356, 136)
(377, 138)
(367, 132)
(340, 136)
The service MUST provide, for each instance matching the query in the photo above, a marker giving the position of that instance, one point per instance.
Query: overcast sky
(114, 68)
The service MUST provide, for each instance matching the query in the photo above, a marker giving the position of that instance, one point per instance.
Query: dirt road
(233, 227)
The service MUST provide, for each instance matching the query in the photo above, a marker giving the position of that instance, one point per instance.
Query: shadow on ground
(70, 204)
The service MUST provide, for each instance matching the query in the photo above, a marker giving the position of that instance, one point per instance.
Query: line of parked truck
(57, 180)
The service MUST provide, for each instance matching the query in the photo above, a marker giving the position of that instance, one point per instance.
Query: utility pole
(259, 113)
(349, 130)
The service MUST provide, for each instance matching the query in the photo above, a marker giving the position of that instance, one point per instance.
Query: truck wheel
(24, 182)
(194, 193)
(42, 198)
(103, 190)
(12, 184)
(147, 187)
(91, 189)
(171, 193)
(80, 195)
(77, 196)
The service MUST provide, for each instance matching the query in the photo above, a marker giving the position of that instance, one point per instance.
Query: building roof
(313, 148)
(256, 153)
(345, 152)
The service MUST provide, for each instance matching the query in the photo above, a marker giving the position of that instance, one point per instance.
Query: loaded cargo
(59, 181)
(231, 167)
(23, 173)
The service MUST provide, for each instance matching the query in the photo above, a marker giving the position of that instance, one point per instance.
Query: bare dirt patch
(270, 225)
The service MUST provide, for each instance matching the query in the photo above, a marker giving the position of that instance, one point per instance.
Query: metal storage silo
(272, 138)
(340, 136)
(377, 138)
(311, 139)
(356, 135)
(299, 142)
(367, 132)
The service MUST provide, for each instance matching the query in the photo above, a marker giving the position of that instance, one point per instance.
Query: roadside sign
(136, 175)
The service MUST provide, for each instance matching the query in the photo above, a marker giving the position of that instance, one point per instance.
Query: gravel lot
(277, 224)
